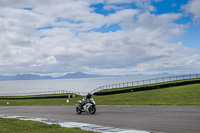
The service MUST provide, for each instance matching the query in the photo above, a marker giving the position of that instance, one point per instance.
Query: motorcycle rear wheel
(78, 111)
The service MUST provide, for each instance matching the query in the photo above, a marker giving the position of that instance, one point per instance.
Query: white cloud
(161, 24)
(58, 37)
(193, 7)
(114, 7)
(45, 61)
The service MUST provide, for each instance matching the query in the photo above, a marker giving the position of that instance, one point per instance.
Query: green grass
(22, 126)
(40, 102)
(37, 95)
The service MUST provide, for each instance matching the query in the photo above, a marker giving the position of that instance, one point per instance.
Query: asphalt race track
(169, 119)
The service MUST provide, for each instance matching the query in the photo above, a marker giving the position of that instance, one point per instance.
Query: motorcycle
(89, 107)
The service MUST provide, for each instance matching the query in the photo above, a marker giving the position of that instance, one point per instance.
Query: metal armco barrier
(146, 82)
(40, 97)
(153, 87)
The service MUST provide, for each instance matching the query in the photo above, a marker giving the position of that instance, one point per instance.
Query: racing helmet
(88, 96)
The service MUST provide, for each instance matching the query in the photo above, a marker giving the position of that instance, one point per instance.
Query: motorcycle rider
(86, 99)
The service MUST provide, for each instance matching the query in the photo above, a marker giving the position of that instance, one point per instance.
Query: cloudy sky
(49, 37)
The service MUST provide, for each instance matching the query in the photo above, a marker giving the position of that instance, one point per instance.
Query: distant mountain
(30, 77)
(78, 75)
(24, 77)
(2, 78)
(67, 76)
(38, 77)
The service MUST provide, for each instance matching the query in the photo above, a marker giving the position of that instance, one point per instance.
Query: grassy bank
(22, 126)
(40, 102)
(149, 85)
(181, 95)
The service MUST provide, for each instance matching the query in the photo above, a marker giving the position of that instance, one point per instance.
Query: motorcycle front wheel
(92, 110)
(78, 111)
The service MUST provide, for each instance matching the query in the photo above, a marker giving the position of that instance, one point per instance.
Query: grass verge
(8, 125)
(40, 102)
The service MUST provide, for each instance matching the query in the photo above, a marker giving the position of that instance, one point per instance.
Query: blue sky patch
(169, 6)
(112, 8)
(47, 27)
(105, 28)
(98, 8)
(67, 20)
(29, 9)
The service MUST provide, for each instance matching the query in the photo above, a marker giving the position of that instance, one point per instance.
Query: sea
(81, 85)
